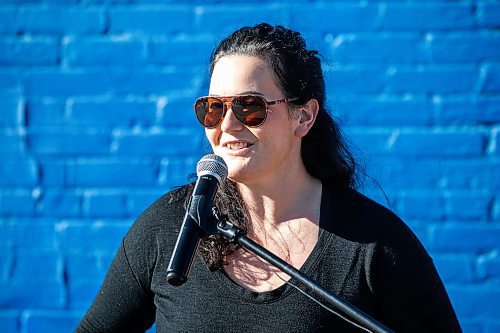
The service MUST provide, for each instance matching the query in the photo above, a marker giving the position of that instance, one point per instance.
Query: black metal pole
(235, 235)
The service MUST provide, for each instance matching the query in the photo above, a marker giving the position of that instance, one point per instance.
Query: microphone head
(214, 165)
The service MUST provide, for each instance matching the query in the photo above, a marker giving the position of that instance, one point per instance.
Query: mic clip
(224, 227)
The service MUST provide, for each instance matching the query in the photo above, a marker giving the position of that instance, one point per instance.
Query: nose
(229, 122)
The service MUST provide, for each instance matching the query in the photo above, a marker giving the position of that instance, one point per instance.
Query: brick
(366, 141)
(11, 142)
(102, 81)
(377, 48)
(151, 19)
(105, 205)
(479, 237)
(492, 326)
(422, 205)
(445, 143)
(114, 112)
(496, 209)
(488, 266)
(112, 2)
(459, 110)
(248, 15)
(489, 14)
(7, 257)
(88, 236)
(42, 266)
(84, 267)
(50, 321)
(465, 48)
(475, 301)
(56, 203)
(138, 202)
(28, 51)
(156, 81)
(18, 173)
(90, 173)
(54, 82)
(82, 293)
(384, 111)
(12, 114)
(17, 203)
(383, 196)
(166, 143)
(455, 268)
(471, 325)
(353, 80)
(175, 171)
(179, 112)
(68, 142)
(10, 81)
(46, 113)
(18, 294)
(492, 79)
(464, 174)
(54, 1)
(52, 173)
(425, 173)
(468, 205)
(9, 20)
(33, 234)
(61, 20)
(432, 80)
(113, 50)
(495, 141)
(330, 17)
(10, 321)
(434, 16)
(181, 50)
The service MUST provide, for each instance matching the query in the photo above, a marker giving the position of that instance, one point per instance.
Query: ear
(307, 117)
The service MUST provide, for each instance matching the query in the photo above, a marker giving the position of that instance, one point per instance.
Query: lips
(236, 145)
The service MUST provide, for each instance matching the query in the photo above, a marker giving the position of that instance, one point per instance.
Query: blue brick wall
(96, 122)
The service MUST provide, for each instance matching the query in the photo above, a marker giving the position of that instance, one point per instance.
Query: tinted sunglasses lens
(250, 110)
(209, 111)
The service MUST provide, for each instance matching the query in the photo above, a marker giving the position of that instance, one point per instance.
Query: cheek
(212, 136)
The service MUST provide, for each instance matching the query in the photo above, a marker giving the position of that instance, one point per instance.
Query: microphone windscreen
(213, 165)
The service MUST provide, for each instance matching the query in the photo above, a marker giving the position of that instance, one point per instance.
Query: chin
(236, 172)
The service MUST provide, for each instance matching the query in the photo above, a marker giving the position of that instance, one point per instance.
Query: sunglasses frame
(229, 100)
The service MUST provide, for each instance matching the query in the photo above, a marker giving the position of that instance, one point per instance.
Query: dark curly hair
(299, 74)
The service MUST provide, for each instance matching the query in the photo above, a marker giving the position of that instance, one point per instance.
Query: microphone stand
(235, 235)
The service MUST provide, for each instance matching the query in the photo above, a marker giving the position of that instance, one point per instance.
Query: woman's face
(252, 154)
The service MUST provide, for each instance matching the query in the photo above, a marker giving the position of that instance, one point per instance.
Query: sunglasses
(251, 110)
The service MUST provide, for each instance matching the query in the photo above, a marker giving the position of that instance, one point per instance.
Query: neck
(279, 199)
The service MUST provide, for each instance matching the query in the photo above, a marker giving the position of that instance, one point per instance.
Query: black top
(365, 254)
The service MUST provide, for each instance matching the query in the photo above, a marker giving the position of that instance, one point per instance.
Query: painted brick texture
(96, 122)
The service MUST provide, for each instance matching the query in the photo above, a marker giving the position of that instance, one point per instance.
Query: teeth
(237, 145)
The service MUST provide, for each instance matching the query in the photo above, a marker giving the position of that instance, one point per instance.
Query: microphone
(211, 170)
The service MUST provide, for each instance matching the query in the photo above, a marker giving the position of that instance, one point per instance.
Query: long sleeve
(415, 299)
(122, 304)
(126, 301)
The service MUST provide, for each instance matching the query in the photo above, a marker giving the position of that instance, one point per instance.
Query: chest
(215, 302)
(211, 302)
(255, 274)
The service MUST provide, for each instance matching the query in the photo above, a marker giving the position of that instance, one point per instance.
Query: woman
(291, 187)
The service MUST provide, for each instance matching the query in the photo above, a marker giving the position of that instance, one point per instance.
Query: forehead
(235, 74)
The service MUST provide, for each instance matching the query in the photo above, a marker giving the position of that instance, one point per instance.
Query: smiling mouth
(237, 145)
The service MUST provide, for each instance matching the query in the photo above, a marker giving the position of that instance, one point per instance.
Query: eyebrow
(248, 92)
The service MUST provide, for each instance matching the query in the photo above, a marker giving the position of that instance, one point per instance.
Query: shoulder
(161, 220)
(357, 218)
(166, 208)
